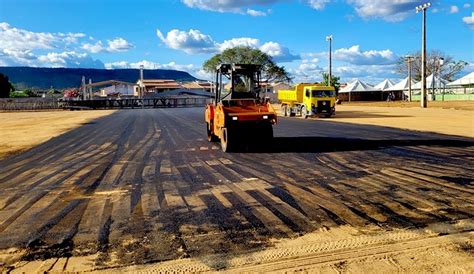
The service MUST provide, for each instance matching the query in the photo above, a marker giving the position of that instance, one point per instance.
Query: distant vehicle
(239, 111)
(308, 100)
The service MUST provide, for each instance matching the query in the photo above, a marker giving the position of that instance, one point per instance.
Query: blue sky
(369, 35)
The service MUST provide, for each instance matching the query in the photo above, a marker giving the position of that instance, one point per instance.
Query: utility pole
(90, 89)
(409, 59)
(423, 8)
(140, 94)
(83, 87)
(329, 38)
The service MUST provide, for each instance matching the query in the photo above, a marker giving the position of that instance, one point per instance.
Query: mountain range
(60, 78)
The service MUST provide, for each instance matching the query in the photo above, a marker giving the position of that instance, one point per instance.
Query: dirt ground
(146, 193)
(443, 248)
(23, 130)
(462, 105)
(459, 121)
(440, 248)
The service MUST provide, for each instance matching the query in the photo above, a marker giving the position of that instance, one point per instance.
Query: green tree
(5, 86)
(246, 55)
(448, 71)
(30, 93)
(334, 81)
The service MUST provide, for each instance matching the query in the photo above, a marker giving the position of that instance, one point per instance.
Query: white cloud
(354, 55)
(234, 6)
(94, 48)
(255, 13)
(469, 20)
(349, 63)
(393, 11)
(19, 39)
(278, 52)
(20, 47)
(307, 71)
(371, 74)
(239, 42)
(243, 6)
(453, 9)
(192, 41)
(115, 45)
(318, 4)
(467, 5)
(70, 59)
(119, 45)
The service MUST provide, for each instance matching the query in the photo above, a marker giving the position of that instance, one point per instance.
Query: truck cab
(319, 100)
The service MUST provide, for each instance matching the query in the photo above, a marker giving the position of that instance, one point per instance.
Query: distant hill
(60, 78)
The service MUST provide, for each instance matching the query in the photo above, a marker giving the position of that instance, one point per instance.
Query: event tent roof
(464, 81)
(438, 83)
(358, 86)
(384, 85)
(402, 85)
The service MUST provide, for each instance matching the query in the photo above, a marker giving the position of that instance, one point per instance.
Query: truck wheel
(228, 140)
(210, 135)
(284, 109)
(288, 111)
(304, 112)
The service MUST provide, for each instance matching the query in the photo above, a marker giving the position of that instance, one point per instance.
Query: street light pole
(329, 38)
(140, 95)
(423, 8)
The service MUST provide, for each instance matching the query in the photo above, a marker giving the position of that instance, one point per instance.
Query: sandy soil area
(442, 247)
(458, 122)
(23, 130)
(462, 105)
(445, 121)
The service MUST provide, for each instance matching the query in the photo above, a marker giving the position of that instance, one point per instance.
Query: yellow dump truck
(308, 100)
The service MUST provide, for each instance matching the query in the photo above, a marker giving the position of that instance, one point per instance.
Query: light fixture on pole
(422, 8)
(409, 59)
(329, 39)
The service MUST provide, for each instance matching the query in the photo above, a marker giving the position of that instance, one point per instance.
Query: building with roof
(384, 85)
(156, 85)
(112, 88)
(358, 90)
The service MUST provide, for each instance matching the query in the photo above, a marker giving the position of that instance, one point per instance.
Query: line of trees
(448, 71)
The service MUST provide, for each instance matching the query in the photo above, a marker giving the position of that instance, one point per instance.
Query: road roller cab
(240, 111)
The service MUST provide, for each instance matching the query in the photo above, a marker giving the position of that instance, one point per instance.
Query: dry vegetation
(24, 130)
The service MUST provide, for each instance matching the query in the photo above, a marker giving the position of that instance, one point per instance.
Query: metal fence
(18, 104)
(10, 104)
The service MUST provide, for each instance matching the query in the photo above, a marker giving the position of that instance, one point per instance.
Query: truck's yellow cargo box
(293, 94)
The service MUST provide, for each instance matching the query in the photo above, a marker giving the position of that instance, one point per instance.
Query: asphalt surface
(145, 185)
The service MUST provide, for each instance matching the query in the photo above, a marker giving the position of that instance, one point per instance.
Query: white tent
(464, 81)
(384, 85)
(357, 86)
(402, 85)
(438, 83)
